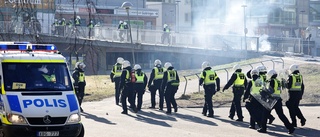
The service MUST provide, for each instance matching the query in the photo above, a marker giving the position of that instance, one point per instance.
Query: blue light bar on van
(27, 46)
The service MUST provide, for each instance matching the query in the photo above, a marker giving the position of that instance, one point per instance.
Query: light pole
(178, 1)
(245, 29)
(301, 36)
(127, 5)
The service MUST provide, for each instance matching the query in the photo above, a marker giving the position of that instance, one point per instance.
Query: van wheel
(81, 132)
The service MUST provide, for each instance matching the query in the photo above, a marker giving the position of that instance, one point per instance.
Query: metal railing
(139, 35)
(226, 69)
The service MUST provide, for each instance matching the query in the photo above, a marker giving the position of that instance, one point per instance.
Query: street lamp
(245, 29)
(127, 5)
(178, 1)
(301, 29)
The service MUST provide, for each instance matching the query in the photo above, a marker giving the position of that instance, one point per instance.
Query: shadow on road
(95, 118)
(151, 118)
(156, 116)
(194, 119)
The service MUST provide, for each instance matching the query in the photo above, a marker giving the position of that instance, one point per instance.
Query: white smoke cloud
(231, 22)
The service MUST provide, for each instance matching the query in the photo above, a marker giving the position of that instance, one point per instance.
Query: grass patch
(100, 86)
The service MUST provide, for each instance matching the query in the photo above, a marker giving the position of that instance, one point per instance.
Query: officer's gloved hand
(112, 80)
(243, 100)
(218, 89)
(224, 89)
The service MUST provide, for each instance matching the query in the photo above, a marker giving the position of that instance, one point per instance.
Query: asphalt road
(104, 118)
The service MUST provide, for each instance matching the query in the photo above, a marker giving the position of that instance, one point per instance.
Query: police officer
(62, 26)
(79, 81)
(121, 28)
(77, 21)
(47, 74)
(115, 77)
(262, 74)
(155, 83)
(210, 80)
(166, 34)
(252, 105)
(55, 26)
(274, 86)
(239, 82)
(90, 26)
(296, 90)
(170, 85)
(127, 87)
(140, 84)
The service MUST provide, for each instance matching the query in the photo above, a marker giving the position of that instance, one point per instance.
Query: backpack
(133, 77)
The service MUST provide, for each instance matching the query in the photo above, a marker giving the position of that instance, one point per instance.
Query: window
(275, 17)
(289, 16)
(36, 77)
(314, 12)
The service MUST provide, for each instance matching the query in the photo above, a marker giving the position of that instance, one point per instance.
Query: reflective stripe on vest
(296, 82)
(276, 88)
(256, 87)
(140, 78)
(158, 73)
(239, 82)
(172, 78)
(210, 77)
(81, 77)
(117, 70)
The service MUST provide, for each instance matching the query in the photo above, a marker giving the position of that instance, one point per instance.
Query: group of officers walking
(257, 87)
(130, 83)
(261, 95)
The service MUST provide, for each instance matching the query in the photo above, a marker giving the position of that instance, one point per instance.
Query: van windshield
(36, 77)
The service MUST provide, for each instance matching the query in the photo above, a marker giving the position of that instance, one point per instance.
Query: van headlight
(74, 118)
(16, 119)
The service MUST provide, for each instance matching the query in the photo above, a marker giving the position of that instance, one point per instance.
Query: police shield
(265, 98)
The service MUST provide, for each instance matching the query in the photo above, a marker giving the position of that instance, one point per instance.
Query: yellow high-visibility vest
(239, 82)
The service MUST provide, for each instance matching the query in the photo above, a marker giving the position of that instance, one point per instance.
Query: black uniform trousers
(127, 93)
(293, 106)
(209, 91)
(283, 118)
(169, 93)
(153, 90)
(139, 91)
(80, 92)
(236, 102)
(117, 89)
(255, 111)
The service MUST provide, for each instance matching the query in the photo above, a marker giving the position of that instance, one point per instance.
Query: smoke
(220, 25)
(264, 44)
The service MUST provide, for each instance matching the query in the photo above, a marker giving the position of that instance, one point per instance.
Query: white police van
(37, 97)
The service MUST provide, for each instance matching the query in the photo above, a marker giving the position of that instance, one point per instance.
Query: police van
(37, 97)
